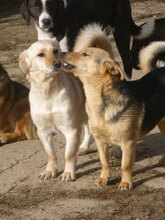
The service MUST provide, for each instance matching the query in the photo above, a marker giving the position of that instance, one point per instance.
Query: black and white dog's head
(47, 14)
(42, 11)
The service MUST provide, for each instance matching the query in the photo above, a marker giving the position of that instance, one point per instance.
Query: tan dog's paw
(67, 176)
(47, 174)
(82, 151)
(101, 181)
(125, 186)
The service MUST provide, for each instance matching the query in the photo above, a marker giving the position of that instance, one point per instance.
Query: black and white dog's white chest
(49, 19)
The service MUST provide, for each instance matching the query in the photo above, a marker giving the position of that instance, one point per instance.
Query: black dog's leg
(122, 38)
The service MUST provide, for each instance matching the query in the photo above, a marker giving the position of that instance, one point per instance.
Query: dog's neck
(100, 94)
(50, 34)
(45, 86)
(44, 34)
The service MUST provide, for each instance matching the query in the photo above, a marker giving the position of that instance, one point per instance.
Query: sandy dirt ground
(24, 196)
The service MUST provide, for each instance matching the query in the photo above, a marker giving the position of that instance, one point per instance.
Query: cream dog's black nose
(57, 65)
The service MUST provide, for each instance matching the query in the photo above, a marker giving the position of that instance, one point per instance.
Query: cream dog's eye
(41, 55)
(85, 54)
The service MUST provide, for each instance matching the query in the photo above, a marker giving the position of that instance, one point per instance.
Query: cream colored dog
(57, 104)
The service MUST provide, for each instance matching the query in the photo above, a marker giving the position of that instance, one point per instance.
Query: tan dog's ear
(24, 63)
(113, 68)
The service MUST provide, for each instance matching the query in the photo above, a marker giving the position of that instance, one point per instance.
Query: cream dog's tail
(93, 35)
(152, 56)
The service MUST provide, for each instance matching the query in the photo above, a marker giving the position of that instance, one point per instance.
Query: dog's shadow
(151, 145)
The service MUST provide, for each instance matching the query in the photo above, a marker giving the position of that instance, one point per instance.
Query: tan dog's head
(41, 59)
(92, 63)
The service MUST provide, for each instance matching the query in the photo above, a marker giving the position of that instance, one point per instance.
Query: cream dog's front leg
(72, 145)
(47, 141)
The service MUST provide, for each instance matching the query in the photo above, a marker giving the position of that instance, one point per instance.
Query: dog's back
(7, 96)
(15, 116)
(158, 34)
(15, 89)
(152, 86)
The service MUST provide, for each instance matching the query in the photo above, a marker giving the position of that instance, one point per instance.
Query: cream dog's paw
(67, 176)
(47, 174)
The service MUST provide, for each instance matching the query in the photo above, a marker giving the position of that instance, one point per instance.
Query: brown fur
(114, 118)
(15, 119)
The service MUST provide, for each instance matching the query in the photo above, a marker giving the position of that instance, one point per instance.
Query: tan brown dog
(15, 119)
(120, 112)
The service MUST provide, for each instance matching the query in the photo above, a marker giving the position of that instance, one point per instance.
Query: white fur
(148, 53)
(63, 44)
(45, 35)
(86, 35)
(65, 3)
(147, 29)
(44, 14)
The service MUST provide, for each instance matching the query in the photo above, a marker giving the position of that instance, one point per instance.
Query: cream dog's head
(41, 59)
(91, 63)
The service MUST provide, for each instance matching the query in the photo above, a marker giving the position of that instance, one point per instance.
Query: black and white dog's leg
(122, 37)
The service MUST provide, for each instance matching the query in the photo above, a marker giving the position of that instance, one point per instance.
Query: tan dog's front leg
(47, 141)
(104, 159)
(128, 156)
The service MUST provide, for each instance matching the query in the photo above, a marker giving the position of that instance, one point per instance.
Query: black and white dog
(63, 19)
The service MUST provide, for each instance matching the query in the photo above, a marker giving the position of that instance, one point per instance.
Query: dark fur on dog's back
(18, 89)
(147, 94)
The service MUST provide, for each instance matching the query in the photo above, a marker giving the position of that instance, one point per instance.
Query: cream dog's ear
(111, 67)
(24, 63)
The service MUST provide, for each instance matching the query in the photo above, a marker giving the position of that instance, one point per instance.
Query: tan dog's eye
(85, 54)
(41, 55)
(55, 51)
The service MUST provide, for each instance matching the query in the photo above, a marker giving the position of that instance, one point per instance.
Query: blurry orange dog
(15, 119)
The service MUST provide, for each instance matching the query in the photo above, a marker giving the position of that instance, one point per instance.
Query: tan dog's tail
(152, 57)
(93, 35)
